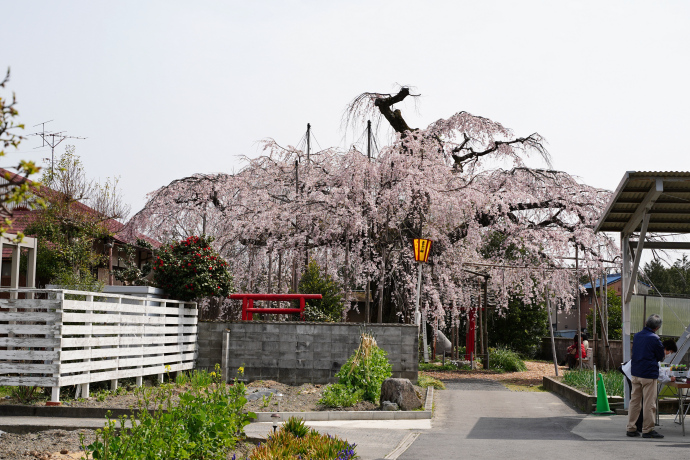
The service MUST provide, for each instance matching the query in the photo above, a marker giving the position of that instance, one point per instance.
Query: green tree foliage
(131, 274)
(669, 280)
(519, 328)
(191, 269)
(615, 316)
(12, 192)
(330, 307)
(67, 230)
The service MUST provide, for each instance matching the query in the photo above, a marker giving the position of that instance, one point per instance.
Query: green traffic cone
(602, 400)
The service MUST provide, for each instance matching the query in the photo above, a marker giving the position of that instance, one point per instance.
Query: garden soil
(536, 370)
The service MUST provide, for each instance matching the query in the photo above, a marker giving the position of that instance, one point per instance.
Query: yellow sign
(422, 248)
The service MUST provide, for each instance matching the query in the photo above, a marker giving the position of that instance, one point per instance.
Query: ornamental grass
(286, 444)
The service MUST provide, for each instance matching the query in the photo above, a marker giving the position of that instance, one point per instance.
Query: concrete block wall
(209, 344)
(562, 344)
(300, 352)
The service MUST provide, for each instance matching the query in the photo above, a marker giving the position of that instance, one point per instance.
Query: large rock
(400, 392)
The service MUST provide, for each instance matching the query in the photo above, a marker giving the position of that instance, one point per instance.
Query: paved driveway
(477, 420)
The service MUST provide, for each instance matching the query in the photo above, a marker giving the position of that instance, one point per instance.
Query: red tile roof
(23, 217)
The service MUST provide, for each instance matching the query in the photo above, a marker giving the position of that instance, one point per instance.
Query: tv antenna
(52, 140)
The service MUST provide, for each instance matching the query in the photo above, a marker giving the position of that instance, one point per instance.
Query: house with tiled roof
(113, 248)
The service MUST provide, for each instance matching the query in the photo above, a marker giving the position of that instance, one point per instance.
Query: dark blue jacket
(647, 351)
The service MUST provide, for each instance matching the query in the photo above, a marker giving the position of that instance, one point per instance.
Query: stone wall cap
(312, 323)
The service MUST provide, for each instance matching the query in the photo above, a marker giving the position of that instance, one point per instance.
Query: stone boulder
(387, 405)
(400, 392)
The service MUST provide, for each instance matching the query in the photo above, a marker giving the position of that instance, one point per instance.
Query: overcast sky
(165, 89)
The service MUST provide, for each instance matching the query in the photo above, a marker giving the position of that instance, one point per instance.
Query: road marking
(403, 446)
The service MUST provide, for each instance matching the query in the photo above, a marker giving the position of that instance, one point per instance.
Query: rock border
(337, 415)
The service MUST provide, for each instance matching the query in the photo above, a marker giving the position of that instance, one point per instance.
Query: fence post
(85, 387)
(140, 377)
(113, 382)
(161, 375)
(55, 390)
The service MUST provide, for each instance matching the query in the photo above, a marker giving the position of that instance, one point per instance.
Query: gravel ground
(52, 444)
(532, 376)
(261, 395)
(302, 398)
(63, 445)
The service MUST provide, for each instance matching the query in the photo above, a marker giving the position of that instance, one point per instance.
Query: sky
(165, 89)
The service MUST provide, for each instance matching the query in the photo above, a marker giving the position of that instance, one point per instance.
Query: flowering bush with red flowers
(191, 269)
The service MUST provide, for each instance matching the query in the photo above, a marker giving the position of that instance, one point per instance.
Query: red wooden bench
(248, 303)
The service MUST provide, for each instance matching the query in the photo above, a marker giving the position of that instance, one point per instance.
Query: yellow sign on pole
(422, 248)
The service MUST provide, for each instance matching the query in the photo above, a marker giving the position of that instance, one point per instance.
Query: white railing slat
(103, 337)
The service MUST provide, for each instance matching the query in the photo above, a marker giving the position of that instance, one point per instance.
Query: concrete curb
(429, 403)
(583, 401)
(17, 410)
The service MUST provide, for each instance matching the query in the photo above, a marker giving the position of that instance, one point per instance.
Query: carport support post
(625, 281)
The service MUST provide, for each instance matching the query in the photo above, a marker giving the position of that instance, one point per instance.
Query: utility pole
(294, 257)
(308, 141)
(369, 139)
(52, 140)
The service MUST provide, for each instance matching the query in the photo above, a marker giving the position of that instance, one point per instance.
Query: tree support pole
(553, 341)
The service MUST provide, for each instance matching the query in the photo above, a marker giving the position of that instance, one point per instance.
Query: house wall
(567, 320)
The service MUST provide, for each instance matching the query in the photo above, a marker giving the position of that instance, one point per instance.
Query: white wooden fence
(55, 338)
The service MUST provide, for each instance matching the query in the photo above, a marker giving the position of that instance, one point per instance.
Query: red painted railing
(248, 303)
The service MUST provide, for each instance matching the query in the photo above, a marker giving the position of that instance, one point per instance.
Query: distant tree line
(664, 279)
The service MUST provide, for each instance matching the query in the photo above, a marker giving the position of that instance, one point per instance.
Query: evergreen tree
(330, 307)
(520, 327)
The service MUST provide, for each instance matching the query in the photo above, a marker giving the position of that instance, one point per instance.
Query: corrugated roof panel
(669, 214)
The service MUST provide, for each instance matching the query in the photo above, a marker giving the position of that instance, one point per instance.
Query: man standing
(647, 351)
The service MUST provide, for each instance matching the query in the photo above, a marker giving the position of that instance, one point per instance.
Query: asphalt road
(482, 420)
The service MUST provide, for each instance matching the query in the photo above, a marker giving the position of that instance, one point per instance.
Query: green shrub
(443, 367)
(191, 269)
(313, 445)
(366, 369)
(339, 395)
(23, 394)
(204, 425)
(506, 360)
(425, 381)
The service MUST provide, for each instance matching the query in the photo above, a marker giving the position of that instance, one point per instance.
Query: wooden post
(84, 388)
(553, 341)
(367, 295)
(577, 299)
(269, 288)
(485, 332)
(383, 281)
(113, 382)
(55, 390)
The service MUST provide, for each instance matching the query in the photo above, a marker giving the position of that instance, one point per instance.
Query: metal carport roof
(665, 195)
